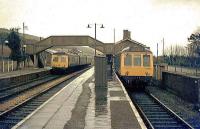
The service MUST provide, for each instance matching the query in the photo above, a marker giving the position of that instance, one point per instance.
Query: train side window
(128, 60)
(146, 60)
(63, 59)
(72, 61)
(137, 60)
(55, 59)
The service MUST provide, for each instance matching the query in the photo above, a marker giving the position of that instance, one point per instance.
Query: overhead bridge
(64, 41)
(106, 48)
(35, 49)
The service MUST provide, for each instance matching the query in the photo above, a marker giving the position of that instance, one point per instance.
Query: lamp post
(24, 52)
(2, 53)
(95, 30)
(23, 42)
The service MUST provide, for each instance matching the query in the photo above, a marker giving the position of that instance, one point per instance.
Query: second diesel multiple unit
(135, 67)
(62, 62)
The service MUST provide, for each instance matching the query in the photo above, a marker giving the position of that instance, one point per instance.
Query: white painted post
(175, 68)
(20, 66)
(156, 71)
(196, 71)
(8, 66)
(3, 65)
(12, 65)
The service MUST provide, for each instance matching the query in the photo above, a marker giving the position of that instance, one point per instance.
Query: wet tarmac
(82, 105)
(77, 120)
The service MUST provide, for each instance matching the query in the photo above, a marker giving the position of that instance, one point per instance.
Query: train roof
(63, 53)
(130, 49)
(51, 51)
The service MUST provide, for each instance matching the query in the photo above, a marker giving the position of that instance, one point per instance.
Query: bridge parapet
(106, 48)
(63, 41)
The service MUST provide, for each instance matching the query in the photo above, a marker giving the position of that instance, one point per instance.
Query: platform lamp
(95, 28)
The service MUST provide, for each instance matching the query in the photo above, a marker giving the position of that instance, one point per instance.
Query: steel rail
(155, 114)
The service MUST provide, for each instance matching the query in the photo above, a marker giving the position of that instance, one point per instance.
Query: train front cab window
(137, 60)
(146, 60)
(128, 60)
(63, 59)
(55, 59)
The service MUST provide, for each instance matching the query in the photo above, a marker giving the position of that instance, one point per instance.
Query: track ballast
(155, 114)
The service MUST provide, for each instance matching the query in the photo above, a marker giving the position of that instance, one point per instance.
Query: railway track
(15, 90)
(11, 117)
(155, 114)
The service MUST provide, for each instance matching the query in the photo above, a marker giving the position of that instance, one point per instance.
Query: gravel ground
(182, 108)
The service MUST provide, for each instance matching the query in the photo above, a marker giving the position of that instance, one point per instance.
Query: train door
(67, 61)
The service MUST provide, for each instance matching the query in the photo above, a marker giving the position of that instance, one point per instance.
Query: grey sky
(148, 20)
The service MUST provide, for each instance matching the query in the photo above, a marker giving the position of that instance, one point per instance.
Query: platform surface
(21, 72)
(82, 105)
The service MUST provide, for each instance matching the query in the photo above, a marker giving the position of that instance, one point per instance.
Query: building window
(146, 60)
(128, 60)
(137, 60)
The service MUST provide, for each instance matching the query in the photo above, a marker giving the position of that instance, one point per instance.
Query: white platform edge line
(30, 115)
(140, 121)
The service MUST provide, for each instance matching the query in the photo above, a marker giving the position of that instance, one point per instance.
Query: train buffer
(81, 104)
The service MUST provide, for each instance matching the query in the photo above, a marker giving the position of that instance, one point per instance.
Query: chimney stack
(126, 34)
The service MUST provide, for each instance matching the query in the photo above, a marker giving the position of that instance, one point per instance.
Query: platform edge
(41, 106)
(135, 112)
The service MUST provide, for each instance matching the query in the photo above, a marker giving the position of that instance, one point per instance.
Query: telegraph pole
(114, 43)
(23, 43)
(1, 41)
(163, 50)
(95, 36)
(163, 46)
(157, 64)
(157, 54)
(113, 57)
(23, 33)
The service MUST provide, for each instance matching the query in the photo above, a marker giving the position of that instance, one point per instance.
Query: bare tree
(176, 50)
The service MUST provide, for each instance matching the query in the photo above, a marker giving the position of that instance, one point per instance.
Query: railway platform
(82, 105)
(22, 76)
(22, 72)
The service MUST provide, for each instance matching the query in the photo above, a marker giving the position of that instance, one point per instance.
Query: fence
(185, 61)
(7, 65)
(183, 70)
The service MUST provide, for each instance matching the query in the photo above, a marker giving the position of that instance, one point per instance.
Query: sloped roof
(123, 40)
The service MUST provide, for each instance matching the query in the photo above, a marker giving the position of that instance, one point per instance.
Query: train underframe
(136, 82)
(63, 70)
